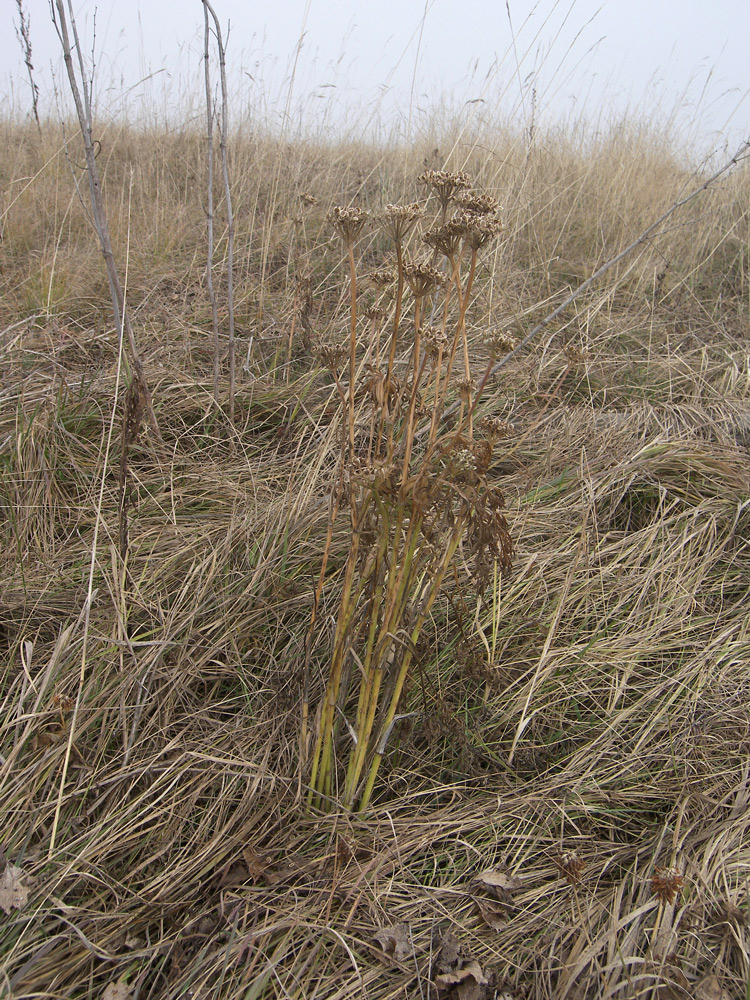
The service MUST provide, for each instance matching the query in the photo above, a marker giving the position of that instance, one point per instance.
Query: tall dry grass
(580, 730)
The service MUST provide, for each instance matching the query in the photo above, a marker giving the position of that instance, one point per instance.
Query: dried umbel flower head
(500, 342)
(308, 199)
(494, 428)
(375, 313)
(383, 277)
(571, 866)
(434, 339)
(399, 220)
(446, 239)
(348, 222)
(666, 884)
(445, 183)
(477, 203)
(479, 229)
(466, 387)
(422, 277)
(333, 356)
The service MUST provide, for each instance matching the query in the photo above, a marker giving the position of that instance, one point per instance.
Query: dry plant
(409, 503)
(81, 90)
(23, 31)
(208, 9)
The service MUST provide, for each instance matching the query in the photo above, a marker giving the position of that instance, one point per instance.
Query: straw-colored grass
(580, 725)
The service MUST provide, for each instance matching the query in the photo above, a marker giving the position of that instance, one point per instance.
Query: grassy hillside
(563, 810)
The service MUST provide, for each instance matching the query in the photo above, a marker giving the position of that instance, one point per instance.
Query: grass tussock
(561, 808)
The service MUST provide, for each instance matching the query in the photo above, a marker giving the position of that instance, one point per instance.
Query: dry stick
(85, 120)
(24, 37)
(228, 199)
(210, 206)
(602, 270)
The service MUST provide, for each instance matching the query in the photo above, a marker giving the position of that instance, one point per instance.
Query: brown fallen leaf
(492, 912)
(499, 880)
(449, 953)
(395, 941)
(257, 864)
(13, 893)
(465, 984)
(117, 991)
(709, 988)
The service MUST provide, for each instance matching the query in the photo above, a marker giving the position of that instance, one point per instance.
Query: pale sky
(365, 62)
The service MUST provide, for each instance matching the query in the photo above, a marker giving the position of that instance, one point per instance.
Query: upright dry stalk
(210, 203)
(228, 200)
(409, 509)
(83, 101)
(24, 37)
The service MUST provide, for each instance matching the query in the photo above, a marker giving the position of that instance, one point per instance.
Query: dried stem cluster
(411, 499)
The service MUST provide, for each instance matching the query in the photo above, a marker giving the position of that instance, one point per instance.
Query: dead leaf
(395, 941)
(492, 912)
(499, 880)
(465, 984)
(709, 988)
(449, 955)
(12, 892)
(117, 991)
(257, 864)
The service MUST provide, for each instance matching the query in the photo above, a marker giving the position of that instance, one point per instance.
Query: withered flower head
(422, 277)
(383, 277)
(446, 239)
(463, 463)
(308, 199)
(434, 339)
(494, 428)
(445, 183)
(666, 884)
(466, 387)
(399, 220)
(571, 865)
(348, 222)
(332, 356)
(480, 229)
(500, 342)
(477, 203)
(375, 313)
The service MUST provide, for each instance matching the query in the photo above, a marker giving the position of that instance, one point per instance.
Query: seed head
(494, 428)
(480, 229)
(445, 183)
(333, 356)
(666, 884)
(434, 340)
(422, 277)
(383, 277)
(375, 313)
(500, 342)
(477, 203)
(348, 222)
(446, 239)
(399, 220)
(308, 199)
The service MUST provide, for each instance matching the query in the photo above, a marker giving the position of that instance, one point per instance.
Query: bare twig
(210, 204)
(24, 37)
(82, 98)
(228, 199)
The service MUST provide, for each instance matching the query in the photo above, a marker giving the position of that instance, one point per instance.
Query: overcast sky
(362, 62)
